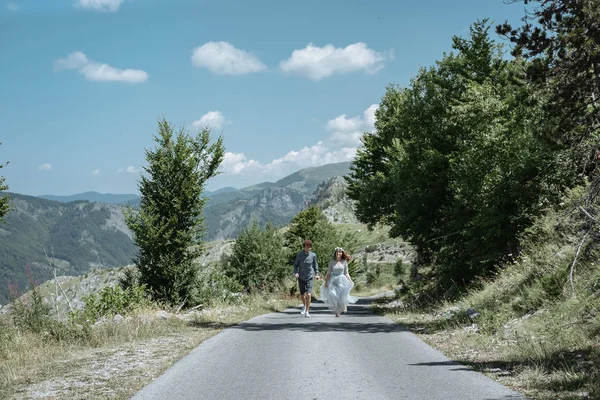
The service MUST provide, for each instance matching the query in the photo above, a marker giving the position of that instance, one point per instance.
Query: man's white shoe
(307, 315)
(303, 311)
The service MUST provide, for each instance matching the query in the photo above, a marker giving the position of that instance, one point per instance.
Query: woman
(335, 292)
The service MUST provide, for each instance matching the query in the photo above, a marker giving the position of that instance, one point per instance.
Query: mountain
(308, 179)
(227, 189)
(93, 197)
(275, 202)
(84, 235)
(80, 234)
(330, 196)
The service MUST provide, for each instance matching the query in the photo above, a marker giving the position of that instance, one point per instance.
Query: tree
(258, 260)
(400, 174)
(303, 226)
(455, 165)
(312, 224)
(169, 227)
(4, 200)
(563, 48)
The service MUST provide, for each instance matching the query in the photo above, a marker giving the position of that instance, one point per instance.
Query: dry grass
(115, 359)
(524, 364)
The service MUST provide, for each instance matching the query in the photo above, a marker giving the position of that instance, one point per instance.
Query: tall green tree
(304, 226)
(455, 165)
(410, 191)
(169, 227)
(312, 224)
(4, 200)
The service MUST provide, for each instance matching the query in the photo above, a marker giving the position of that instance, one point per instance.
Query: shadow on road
(320, 325)
(322, 320)
(450, 363)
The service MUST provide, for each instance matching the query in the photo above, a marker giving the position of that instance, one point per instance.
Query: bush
(218, 287)
(258, 261)
(312, 224)
(111, 301)
(400, 270)
(30, 312)
(7, 334)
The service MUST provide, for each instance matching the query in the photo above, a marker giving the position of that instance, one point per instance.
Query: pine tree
(169, 227)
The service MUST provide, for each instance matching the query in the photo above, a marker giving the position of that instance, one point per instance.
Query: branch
(181, 305)
(574, 262)
(56, 281)
(587, 214)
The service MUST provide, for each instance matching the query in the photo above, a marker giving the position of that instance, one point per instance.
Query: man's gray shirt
(304, 264)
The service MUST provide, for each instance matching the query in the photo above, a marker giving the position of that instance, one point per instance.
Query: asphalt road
(286, 356)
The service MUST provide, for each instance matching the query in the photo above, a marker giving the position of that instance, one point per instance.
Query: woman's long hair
(345, 256)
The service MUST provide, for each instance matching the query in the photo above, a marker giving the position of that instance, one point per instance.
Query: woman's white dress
(337, 295)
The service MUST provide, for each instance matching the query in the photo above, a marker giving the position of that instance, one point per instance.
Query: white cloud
(99, 5)
(45, 167)
(129, 170)
(96, 172)
(340, 146)
(212, 119)
(317, 63)
(223, 59)
(12, 7)
(235, 163)
(95, 71)
(348, 131)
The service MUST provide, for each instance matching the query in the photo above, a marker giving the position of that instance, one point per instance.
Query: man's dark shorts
(306, 286)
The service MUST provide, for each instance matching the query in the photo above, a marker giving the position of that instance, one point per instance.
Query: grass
(113, 360)
(379, 235)
(526, 328)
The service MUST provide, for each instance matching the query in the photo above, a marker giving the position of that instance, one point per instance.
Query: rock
(118, 318)
(162, 314)
(471, 313)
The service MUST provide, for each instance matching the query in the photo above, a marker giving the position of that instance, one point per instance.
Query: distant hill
(86, 234)
(275, 205)
(275, 202)
(82, 235)
(330, 196)
(93, 197)
(227, 189)
(308, 179)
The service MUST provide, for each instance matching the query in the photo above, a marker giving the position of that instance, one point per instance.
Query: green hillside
(81, 236)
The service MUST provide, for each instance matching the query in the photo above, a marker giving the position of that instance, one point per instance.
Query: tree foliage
(168, 227)
(258, 259)
(561, 38)
(312, 224)
(304, 225)
(455, 165)
(4, 200)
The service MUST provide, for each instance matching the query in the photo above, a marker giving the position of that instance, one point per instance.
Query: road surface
(286, 356)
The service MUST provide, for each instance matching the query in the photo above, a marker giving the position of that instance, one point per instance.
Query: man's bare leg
(303, 297)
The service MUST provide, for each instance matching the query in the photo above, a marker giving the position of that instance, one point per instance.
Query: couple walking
(335, 292)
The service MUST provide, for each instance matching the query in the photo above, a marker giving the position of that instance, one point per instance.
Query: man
(304, 265)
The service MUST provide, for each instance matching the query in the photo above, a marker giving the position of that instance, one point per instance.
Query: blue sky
(289, 84)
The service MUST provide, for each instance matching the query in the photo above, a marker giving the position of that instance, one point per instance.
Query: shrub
(30, 312)
(111, 301)
(258, 261)
(217, 287)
